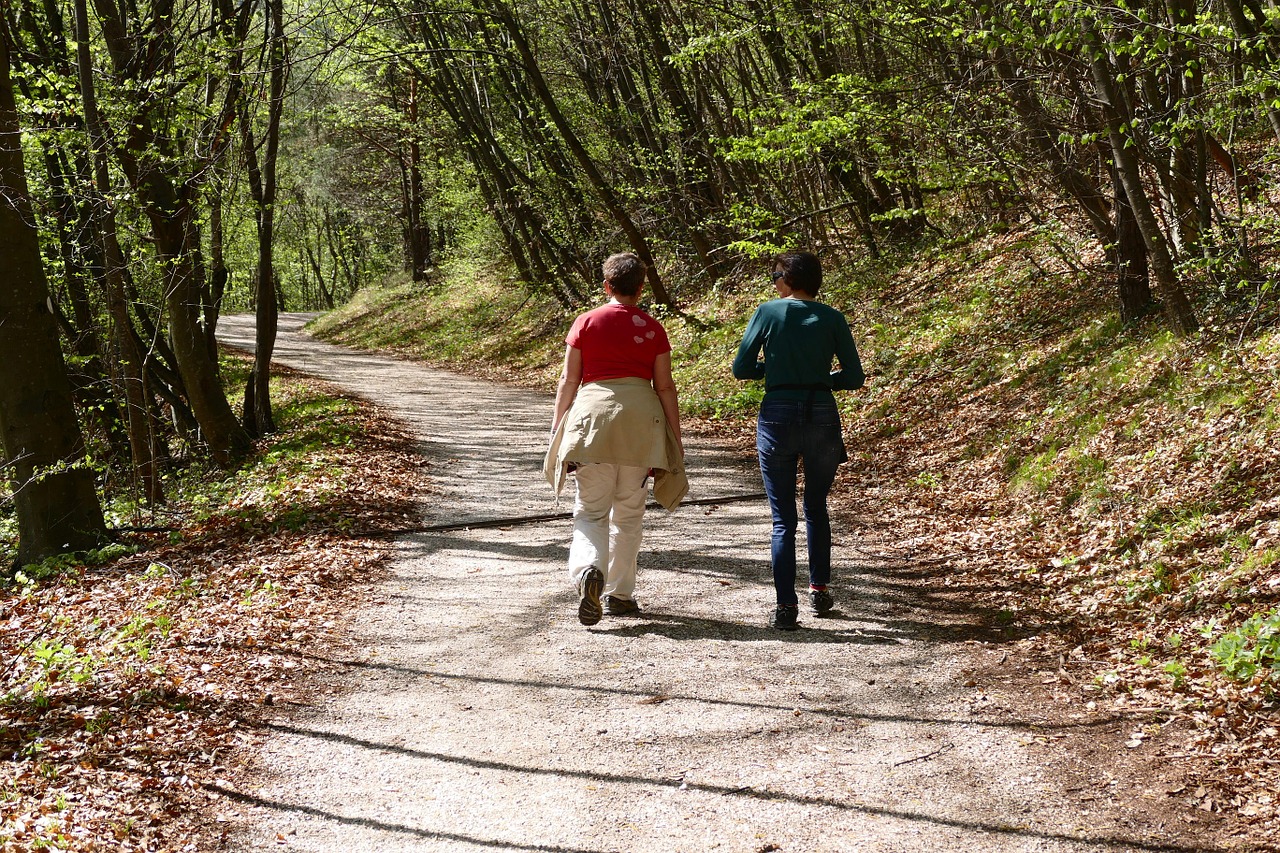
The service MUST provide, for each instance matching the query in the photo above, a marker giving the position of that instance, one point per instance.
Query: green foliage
(743, 402)
(61, 564)
(1260, 560)
(264, 493)
(1252, 649)
(927, 480)
(55, 661)
(1035, 473)
(1154, 580)
(1178, 670)
(8, 531)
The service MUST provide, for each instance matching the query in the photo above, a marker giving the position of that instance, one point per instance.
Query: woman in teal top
(799, 338)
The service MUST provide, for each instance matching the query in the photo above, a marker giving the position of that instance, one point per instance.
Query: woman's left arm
(665, 387)
(850, 376)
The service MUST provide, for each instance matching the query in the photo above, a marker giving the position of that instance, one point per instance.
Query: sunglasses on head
(774, 276)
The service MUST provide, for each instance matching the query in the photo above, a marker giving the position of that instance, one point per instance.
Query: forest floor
(132, 676)
(464, 708)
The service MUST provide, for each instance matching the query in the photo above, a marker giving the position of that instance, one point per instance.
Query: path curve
(481, 716)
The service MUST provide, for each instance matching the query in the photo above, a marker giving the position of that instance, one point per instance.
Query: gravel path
(481, 716)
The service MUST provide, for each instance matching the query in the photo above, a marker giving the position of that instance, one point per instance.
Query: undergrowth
(469, 317)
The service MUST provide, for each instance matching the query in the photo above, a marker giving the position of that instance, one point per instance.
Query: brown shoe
(615, 606)
(589, 589)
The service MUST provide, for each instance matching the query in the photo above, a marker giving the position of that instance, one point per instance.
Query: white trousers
(607, 516)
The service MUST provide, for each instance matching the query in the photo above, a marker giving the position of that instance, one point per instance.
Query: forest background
(1053, 225)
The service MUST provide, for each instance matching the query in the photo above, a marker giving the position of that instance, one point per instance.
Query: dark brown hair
(625, 273)
(803, 271)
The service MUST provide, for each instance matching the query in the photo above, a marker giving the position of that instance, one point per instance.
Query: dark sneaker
(614, 606)
(820, 601)
(784, 619)
(589, 589)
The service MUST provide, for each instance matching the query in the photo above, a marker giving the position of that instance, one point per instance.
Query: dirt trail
(479, 715)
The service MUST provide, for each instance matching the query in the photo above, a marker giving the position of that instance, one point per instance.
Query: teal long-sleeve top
(799, 338)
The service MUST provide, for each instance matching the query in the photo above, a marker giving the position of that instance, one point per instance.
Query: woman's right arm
(567, 389)
(747, 364)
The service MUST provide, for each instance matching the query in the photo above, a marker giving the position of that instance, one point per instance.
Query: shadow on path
(745, 792)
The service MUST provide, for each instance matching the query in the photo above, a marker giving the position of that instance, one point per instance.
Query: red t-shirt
(617, 341)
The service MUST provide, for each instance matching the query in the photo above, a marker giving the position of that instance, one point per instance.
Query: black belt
(813, 389)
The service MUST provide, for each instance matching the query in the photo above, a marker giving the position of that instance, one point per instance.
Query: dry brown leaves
(128, 687)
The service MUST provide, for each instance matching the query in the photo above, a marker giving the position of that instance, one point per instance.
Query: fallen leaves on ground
(129, 687)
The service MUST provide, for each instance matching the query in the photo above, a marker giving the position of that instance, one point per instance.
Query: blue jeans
(787, 431)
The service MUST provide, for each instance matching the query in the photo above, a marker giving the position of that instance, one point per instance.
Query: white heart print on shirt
(641, 322)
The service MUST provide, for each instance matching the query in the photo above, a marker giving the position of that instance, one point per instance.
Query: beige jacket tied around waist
(619, 421)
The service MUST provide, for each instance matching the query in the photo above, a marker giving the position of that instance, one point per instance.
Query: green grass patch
(8, 530)
(483, 327)
(294, 477)
(1036, 473)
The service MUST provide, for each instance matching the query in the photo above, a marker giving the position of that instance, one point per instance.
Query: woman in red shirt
(617, 417)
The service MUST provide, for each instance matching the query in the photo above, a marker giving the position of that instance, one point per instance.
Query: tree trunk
(1248, 27)
(91, 382)
(170, 205)
(56, 505)
(219, 275)
(142, 434)
(418, 233)
(1184, 173)
(258, 417)
(67, 170)
(171, 224)
(1129, 256)
(1043, 135)
(1116, 113)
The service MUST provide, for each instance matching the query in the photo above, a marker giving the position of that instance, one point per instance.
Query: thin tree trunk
(1129, 256)
(142, 435)
(258, 417)
(219, 275)
(607, 196)
(66, 169)
(1116, 113)
(1247, 27)
(419, 234)
(1043, 137)
(91, 382)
